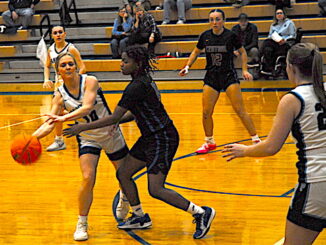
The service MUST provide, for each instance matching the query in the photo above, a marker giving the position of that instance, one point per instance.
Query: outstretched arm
(48, 125)
(103, 122)
(287, 111)
(192, 58)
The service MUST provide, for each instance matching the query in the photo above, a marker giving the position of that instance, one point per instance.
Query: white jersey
(100, 110)
(54, 53)
(309, 130)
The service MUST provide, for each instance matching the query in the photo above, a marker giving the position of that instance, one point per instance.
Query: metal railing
(47, 25)
(65, 10)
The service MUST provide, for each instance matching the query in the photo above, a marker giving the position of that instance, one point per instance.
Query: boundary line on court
(142, 241)
(163, 91)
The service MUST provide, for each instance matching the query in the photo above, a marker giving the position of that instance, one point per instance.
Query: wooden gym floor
(38, 203)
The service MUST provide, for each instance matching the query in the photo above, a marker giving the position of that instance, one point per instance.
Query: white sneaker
(165, 22)
(57, 145)
(122, 209)
(180, 22)
(81, 232)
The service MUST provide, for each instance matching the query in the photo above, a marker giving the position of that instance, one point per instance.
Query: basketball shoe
(206, 147)
(81, 231)
(136, 222)
(122, 209)
(57, 145)
(203, 222)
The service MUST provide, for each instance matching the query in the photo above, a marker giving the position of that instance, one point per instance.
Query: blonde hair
(60, 56)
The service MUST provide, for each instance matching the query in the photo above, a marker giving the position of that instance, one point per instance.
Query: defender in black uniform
(219, 44)
(155, 148)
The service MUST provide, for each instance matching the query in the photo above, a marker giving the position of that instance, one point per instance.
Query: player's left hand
(246, 75)
(73, 130)
(233, 151)
(56, 118)
(151, 39)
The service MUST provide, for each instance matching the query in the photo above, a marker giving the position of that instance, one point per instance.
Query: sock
(255, 137)
(210, 140)
(82, 218)
(138, 210)
(58, 137)
(123, 196)
(194, 209)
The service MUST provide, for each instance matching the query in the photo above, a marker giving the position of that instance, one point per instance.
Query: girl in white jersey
(302, 111)
(59, 46)
(82, 97)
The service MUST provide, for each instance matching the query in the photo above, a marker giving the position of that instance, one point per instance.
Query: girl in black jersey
(219, 44)
(155, 148)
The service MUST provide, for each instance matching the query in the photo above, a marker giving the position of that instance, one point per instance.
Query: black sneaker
(203, 222)
(136, 222)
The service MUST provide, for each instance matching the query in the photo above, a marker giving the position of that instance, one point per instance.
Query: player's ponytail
(317, 75)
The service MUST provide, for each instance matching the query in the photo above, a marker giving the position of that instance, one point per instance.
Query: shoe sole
(58, 149)
(209, 224)
(81, 239)
(198, 152)
(144, 226)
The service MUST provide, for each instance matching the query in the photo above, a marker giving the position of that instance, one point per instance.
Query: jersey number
(91, 117)
(321, 118)
(216, 59)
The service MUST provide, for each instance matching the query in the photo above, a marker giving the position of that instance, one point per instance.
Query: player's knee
(240, 111)
(89, 179)
(154, 192)
(207, 114)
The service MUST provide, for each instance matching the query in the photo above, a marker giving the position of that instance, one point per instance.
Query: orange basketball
(25, 149)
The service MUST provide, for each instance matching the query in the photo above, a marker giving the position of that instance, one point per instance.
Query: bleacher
(18, 62)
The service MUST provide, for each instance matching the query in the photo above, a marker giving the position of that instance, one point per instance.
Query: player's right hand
(184, 71)
(73, 130)
(48, 84)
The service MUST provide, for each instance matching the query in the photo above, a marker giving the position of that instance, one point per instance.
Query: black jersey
(219, 49)
(142, 98)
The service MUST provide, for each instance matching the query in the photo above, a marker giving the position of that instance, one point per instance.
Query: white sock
(82, 218)
(194, 209)
(210, 140)
(123, 196)
(138, 210)
(57, 137)
(255, 137)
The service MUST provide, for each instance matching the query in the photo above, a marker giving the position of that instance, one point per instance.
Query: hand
(151, 38)
(125, 15)
(32, 6)
(184, 71)
(48, 84)
(246, 75)
(138, 3)
(234, 151)
(14, 15)
(73, 130)
(55, 118)
(113, 129)
(128, 8)
(281, 42)
(236, 53)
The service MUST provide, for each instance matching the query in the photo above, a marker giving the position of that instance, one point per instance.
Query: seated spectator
(248, 34)
(280, 39)
(322, 6)
(144, 30)
(19, 11)
(121, 29)
(180, 5)
(130, 4)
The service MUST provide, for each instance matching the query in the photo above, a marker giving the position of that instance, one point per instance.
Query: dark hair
(243, 16)
(120, 19)
(275, 20)
(218, 11)
(64, 29)
(143, 58)
(307, 58)
(60, 56)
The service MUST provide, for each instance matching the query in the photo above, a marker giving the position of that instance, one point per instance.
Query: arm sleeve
(127, 25)
(291, 31)
(132, 95)
(254, 40)
(270, 31)
(115, 28)
(152, 23)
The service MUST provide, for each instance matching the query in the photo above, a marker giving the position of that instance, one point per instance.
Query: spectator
(180, 5)
(240, 3)
(130, 4)
(19, 10)
(121, 28)
(281, 37)
(322, 6)
(248, 35)
(144, 30)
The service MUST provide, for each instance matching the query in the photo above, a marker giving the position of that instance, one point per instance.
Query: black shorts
(220, 81)
(308, 206)
(157, 150)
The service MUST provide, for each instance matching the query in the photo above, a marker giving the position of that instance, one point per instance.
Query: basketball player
(59, 46)
(219, 44)
(302, 111)
(82, 97)
(155, 148)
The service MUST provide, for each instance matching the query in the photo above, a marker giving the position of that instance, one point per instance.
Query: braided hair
(144, 59)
